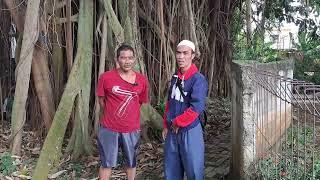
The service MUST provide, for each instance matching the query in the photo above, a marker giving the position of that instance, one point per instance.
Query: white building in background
(284, 37)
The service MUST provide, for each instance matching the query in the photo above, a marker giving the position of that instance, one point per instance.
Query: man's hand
(164, 133)
(101, 102)
(175, 128)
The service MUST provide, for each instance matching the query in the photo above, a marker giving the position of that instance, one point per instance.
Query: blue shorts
(109, 143)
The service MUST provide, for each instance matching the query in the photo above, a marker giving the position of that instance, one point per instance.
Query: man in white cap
(183, 135)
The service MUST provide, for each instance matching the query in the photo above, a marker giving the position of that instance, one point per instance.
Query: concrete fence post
(243, 128)
(259, 120)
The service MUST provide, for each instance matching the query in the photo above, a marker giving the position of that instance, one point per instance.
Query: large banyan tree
(63, 46)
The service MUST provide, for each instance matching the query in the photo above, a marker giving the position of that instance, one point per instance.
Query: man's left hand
(175, 128)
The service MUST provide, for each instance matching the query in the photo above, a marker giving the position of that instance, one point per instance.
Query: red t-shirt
(122, 101)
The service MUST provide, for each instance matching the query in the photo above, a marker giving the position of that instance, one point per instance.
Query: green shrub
(6, 164)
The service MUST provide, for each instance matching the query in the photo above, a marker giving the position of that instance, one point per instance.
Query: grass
(297, 158)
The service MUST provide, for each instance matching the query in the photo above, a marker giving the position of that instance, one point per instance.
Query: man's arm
(166, 109)
(197, 103)
(165, 128)
(102, 105)
(100, 92)
(144, 96)
(101, 102)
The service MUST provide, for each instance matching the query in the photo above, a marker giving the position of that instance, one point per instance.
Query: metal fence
(287, 121)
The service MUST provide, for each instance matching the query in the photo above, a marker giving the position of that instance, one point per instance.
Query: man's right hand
(164, 133)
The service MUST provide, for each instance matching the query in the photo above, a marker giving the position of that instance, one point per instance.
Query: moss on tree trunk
(30, 36)
(78, 85)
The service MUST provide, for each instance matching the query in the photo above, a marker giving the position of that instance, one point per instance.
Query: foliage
(316, 174)
(271, 14)
(161, 107)
(298, 12)
(77, 168)
(259, 51)
(258, 48)
(291, 160)
(310, 49)
(6, 164)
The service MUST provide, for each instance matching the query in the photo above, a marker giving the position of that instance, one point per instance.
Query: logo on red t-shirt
(121, 109)
(122, 101)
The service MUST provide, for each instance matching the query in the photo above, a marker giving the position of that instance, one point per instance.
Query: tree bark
(102, 65)
(69, 42)
(170, 36)
(192, 26)
(162, 47)
(40, 75)
(78, 85)
(261, 25)
(18, 15)
(30, 36)
(57, 63)
(135, 35)
(125, 21)
(114, 22)
(80, 143)
(1, 101)
(248, 23)
(40, 70)
(214, 6)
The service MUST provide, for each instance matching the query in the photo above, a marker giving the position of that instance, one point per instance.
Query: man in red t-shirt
(121, 92)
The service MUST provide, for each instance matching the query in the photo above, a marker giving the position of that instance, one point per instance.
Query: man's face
(184, 56)
(126, 60)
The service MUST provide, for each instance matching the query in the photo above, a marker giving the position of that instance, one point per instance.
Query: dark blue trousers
(184, 153)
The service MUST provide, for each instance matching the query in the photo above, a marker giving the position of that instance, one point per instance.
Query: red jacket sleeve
(186, 118)
(166, 109)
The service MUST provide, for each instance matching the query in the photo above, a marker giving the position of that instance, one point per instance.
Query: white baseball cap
(187, 43)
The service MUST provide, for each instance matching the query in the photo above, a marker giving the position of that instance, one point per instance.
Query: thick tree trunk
(215, 7)
(110, 48)
(57, 63)
(192, 26)
(40, 75)
(69, 42)
(78, 84)
(184, 22)
(17, 14)
(227, 55)
(125, 21)
(148, 113)
(40, 69)
(248, 22)
(1, 101)
(23, 70)
(133, 13)
(113, 21)
(102, 65)
(162, 43)
(261, 25)
(80, 143)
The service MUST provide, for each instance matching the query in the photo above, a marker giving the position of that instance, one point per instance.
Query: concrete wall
(259, 113)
